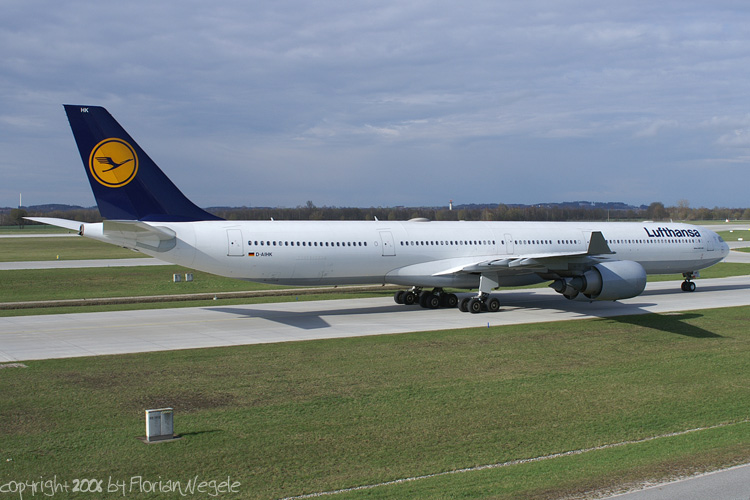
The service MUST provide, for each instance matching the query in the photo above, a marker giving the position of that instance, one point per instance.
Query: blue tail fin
(127, 184)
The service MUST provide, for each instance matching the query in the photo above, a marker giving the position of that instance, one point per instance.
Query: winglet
(598, 244)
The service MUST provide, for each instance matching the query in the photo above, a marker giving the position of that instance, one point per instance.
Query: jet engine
(615, 280)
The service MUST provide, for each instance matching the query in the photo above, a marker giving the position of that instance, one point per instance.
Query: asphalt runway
(91, 334)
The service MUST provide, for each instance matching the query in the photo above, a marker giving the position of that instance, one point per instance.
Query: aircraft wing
(539, 262)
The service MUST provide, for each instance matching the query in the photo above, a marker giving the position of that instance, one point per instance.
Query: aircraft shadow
(669, 323)
(634, 314)
(700, 288)
(308, 320)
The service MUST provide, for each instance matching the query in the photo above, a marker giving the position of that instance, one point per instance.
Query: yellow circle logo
(113, 163)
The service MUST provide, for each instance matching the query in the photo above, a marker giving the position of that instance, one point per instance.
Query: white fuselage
(415, 253)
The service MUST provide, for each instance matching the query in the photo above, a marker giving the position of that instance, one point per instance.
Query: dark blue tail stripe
(150, 195)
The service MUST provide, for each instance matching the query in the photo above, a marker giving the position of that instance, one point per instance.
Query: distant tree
(720, 213)
(682, 210)
(703, 213)
(17, 217)
(656, 211)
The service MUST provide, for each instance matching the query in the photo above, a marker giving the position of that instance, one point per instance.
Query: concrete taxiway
(729, 484)
(80, 264)
(91, 334)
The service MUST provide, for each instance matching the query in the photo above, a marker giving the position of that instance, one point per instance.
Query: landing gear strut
(688, 285)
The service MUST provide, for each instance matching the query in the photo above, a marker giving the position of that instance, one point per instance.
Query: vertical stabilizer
(127, 184)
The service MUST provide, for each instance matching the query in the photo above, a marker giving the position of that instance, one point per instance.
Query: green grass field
(293, 418)
(33, 229)
(55, 284)
(60, 248)
(737, 235)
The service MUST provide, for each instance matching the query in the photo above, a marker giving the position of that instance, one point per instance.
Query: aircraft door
(710, 243)
(234, 243)
(508, 244)
(386, 238)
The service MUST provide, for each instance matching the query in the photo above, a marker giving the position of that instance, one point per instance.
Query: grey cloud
(544, 100)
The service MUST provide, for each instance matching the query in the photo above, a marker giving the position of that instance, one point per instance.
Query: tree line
(655, 211)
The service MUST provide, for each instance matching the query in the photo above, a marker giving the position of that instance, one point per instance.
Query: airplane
(144, 211)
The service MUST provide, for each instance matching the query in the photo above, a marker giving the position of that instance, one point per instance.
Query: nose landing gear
(688, 285)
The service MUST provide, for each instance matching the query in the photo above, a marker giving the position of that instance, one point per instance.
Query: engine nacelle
(615, 280)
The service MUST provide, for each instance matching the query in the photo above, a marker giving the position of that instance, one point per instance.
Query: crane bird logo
(113, 163)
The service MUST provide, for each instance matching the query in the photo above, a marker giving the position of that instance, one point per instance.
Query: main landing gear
(429, 300)
(439, 298)
(688, 285)
(480, 303)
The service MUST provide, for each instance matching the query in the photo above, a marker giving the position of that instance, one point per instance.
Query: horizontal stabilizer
(52, 221)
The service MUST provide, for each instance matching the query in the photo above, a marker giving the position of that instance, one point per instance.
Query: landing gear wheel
(409, 298)
(399, 297)
(429, 300)
(463, 306)
(493, 305)
(688, 286)
(448, 300)
(475, 305)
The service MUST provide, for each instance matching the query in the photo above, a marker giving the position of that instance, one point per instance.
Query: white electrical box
(159, 424)
(188, 276)
(176, 278)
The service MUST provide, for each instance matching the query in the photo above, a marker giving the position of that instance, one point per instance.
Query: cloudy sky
(383, 103)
